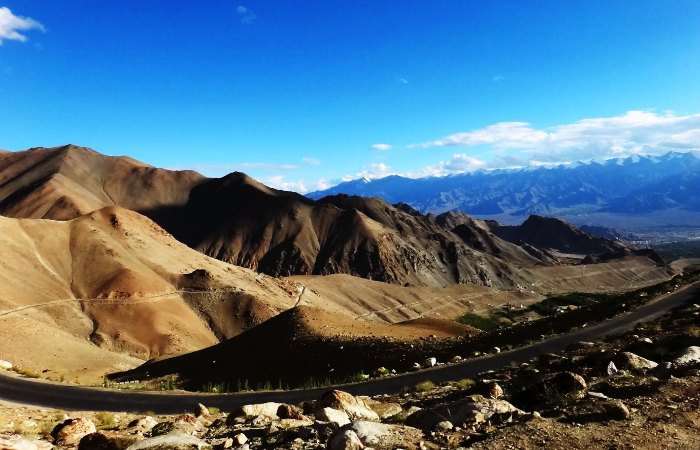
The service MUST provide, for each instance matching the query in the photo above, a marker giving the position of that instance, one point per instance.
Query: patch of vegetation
(29, 373)
(465, 383)
(671, 251)
(423, 386)
(568, 302)
(106, 420)
(488, 322)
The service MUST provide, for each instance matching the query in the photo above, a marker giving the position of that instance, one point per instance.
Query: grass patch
(465, 383)
(423, 386)
(29, 373)
(488, 322)
(106, 420)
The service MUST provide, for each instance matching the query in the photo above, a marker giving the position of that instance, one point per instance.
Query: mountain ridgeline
(635, 185)
(238, 220)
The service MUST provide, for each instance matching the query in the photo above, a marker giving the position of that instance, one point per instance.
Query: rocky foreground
(638, 390)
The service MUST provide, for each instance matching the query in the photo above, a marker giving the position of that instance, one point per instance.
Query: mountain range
(240, 221)
(630, 186)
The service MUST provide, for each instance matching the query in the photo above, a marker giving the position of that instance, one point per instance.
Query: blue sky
(302, 94)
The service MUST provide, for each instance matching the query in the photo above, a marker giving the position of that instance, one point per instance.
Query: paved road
(69, 397)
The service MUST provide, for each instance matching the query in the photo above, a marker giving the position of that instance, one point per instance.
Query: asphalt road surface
(68, 397)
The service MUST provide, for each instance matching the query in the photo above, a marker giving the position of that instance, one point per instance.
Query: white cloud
(598, 138)
(381, 147)
(498, 77)
(11, 25)
(246, 15)
(279, 182)
(307, 160)
(458, 163)
(402, 80)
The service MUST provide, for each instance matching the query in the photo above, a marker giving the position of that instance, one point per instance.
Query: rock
(171, 442)
(183, 424)
(690, 355)
(646, 340)
(445, 425)
(632, 362)
(616, 410)
(489, 389)
(380, 436)
(612, 369)
(599, 395)
(143, 425)
(240, 439)
(496, 350)
(15, 442)
(268, 410)
(5, 365)
(108, 441)
(383, 410)
(355, 408)
(201, 411)
(473, 409)
(335, 416)
(456, 359)
(228, 443)
(568, 382)
(71, 431)
(345, 440)
(430, 362)
(290, 412)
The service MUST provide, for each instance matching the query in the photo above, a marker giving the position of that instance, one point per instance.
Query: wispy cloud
(309, 161)
(635, 132)
(11, 26)
(458, 163)
(246, 15)
(381, 147)
(498, 77)
(402, 80)
(371, 172)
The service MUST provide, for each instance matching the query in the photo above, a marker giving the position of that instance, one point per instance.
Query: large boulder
(383, 409)
(355, 407)
(108, 440)
(689, 356)
(633, 363)
(171, 442)
(15, 442)
(71, 431)
(182, 424)
(331, 415)
(268, 410)
(142, 425)
(378, 436)
(471, 410)
(553, 391)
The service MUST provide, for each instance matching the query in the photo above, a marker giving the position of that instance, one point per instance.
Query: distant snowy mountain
(633, 185)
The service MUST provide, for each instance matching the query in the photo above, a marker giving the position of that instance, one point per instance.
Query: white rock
(430, 362)
(333, 416)
(240, 439)
(382, 436)
(612, 368)
(345, 440)
(690, 355)
(7, 365)
(171, 442)
(268, 409)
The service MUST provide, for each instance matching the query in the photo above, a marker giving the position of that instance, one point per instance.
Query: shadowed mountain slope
(282, 233)
(315, 342)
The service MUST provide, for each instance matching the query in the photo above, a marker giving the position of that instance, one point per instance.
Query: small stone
(201, 411)
(240, 439)
(445, 425)
(616, 410)
(71, 431)
(345, 440)
(430, 362)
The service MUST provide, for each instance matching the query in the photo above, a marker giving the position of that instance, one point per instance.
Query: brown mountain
(282, 233)
(113, 287)
(238, 220)
(63, 183)
(555, 234)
